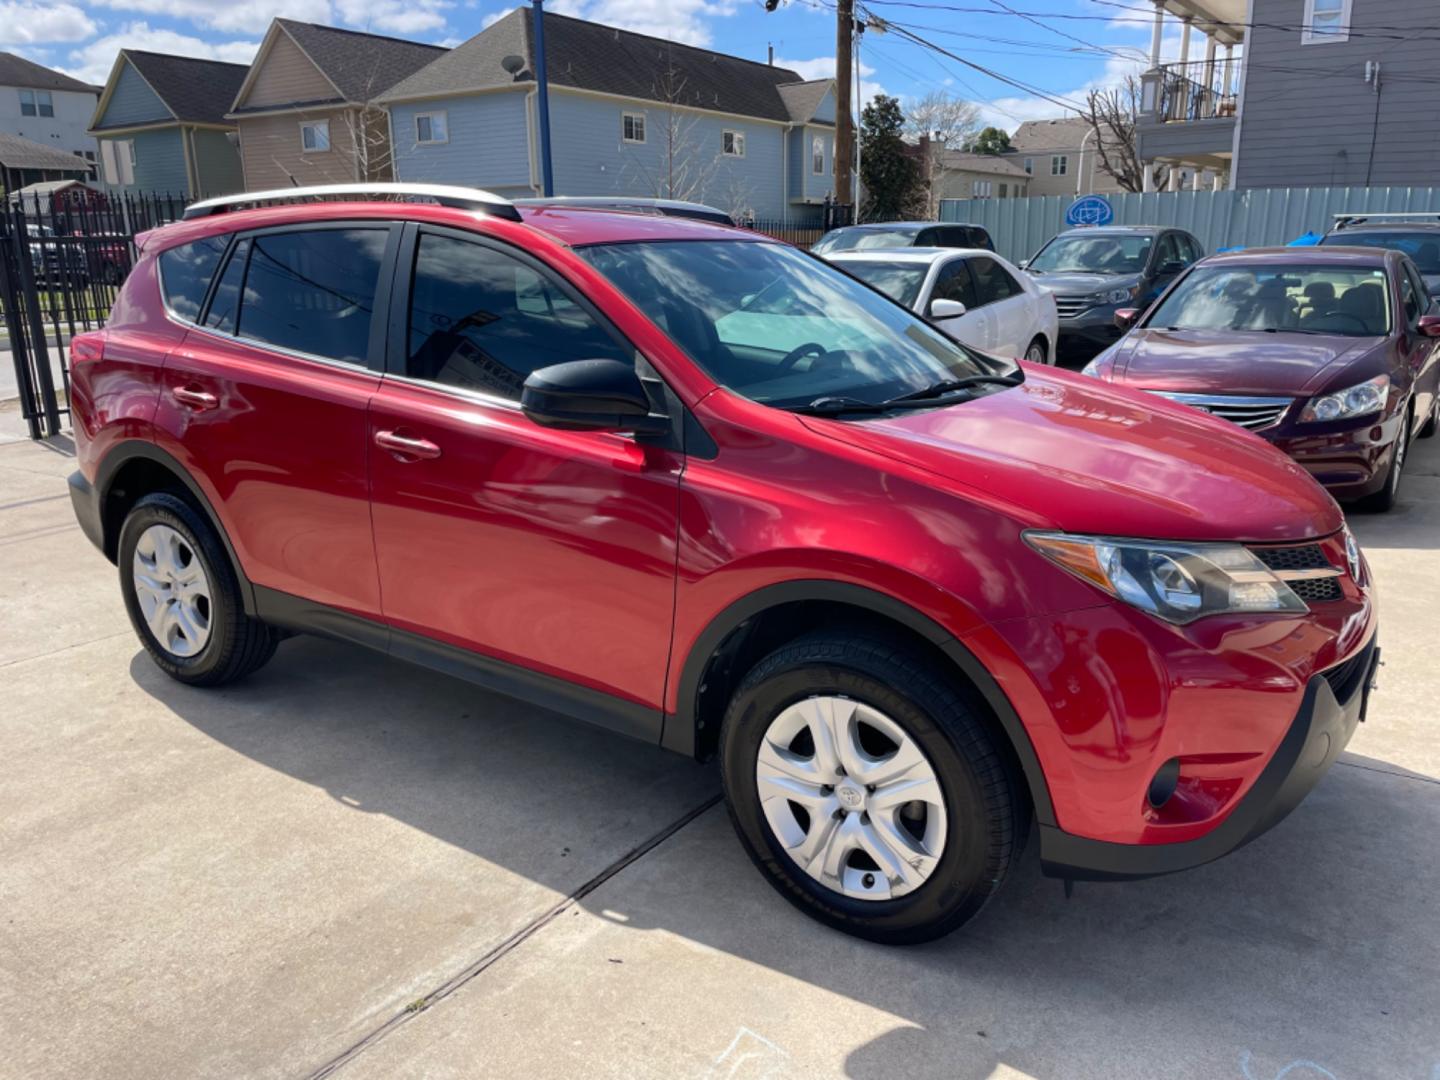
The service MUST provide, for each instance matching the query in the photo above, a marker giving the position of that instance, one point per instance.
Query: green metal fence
(1219, 219)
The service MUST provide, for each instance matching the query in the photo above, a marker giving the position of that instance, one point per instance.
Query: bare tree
(1111, 115)
(939, 122)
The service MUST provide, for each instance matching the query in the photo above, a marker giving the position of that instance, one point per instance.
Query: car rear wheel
(1037, 353)
(183, 598)
(865, 786)
(1387, 496)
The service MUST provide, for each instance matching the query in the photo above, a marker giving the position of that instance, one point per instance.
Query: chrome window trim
(280, 350)
(477, 397)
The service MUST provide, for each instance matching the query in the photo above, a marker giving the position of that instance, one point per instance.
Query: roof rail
(462, 198)
(1341, 220)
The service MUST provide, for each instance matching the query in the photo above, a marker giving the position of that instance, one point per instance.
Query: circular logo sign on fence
(1090, 210)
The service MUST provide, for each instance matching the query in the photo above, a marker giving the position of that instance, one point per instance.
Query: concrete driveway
(347, 866)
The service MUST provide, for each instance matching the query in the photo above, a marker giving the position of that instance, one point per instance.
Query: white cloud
(27, 23)
(494, 17)
(253, 16)
(92, 62)
(676, 20)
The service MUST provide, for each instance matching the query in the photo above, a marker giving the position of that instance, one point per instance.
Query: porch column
(1210, 64)
(1219, 184)
(1184, 70)
(1147, 176)
(1173, 184)
(1195, 181)
(1225, 88)
(1185, 23)
(1157, 34)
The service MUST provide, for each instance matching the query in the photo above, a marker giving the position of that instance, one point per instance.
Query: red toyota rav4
(701, 488)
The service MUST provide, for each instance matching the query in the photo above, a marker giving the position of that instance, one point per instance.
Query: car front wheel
(1037, 353)
(865, 786)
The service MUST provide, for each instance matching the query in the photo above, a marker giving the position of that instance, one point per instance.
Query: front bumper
(1086, 335)
(1333, 704)
(1350, 464)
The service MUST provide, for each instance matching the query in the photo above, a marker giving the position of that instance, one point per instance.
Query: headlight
(1367, 397)
(1115, 296)
(1175, 582)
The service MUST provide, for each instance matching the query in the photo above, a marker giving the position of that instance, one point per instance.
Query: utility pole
(542, 102)
(844, 122)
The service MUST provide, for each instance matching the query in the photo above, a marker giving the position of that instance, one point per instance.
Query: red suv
(703, 489)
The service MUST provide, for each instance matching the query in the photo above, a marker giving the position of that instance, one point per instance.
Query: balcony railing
(1200, 90)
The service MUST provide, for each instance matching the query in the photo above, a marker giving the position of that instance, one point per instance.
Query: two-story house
(1322, 93)
(1059, 158)
(955, 174)
(161, 125)
(629, 115)
(308, 109)
(46, 107)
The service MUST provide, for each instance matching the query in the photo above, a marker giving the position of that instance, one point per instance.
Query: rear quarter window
(185, 274)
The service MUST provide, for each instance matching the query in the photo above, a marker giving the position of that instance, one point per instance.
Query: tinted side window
(931, 238)
(979, 238)
(954, 283)
(185, 274)
(992, 283)
(225, 303)
(1421, 289)
(483, 320)
(1191, 250)
(1410, 300)
(1167, 252)
(313, 291)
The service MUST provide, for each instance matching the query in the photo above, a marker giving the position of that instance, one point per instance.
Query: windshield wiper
(926, 398)
(949, 386)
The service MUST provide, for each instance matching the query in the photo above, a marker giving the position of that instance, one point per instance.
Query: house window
(36, 103)
(1326, 20)
(315, 136)
(431, 128)
(1030, 166)
(1059, 165)
(632, 127)
(982, 189)
(1004, 191)
(817, 156)
(732, 143)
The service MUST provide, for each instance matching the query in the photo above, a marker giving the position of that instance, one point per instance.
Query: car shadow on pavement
(1316, 942)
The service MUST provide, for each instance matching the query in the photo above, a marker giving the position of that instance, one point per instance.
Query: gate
(63, 256)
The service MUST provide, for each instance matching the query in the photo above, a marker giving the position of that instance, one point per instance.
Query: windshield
(864, 240)
(899, 281)
(1423, 247)
(1103, 254)
(778, 326)
(1298, 299)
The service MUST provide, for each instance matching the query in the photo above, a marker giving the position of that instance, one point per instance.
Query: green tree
(894, 185)
(990, 141)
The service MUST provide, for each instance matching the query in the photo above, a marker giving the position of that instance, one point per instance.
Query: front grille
(1249, 412)
(1346, 677)
(1069, 306)
(1301, 557)
(1317, 590)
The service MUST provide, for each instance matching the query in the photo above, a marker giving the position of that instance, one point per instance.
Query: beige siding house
(1060, 159)
(306, 112)
(957, 175)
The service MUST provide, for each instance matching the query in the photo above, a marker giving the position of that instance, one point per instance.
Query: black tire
(238, 644)
(1432, 423)
(1385, 499)
(1045, 354)
(985, 803)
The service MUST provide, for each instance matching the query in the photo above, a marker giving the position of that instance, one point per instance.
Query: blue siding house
(629, 115)
(161, 125)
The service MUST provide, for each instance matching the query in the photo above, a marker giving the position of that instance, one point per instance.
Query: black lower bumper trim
(87, 508)
(1320, 731)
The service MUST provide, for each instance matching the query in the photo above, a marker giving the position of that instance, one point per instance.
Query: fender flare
(680, 732)
(121, 454)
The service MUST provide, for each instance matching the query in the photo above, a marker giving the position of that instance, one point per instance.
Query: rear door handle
(195, 397)
(406, 447)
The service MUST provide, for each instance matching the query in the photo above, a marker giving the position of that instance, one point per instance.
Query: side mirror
(1430, 325)
(1023, 264)
(590, 395)
(1171, 268)
(946, 309)
(1126, 317)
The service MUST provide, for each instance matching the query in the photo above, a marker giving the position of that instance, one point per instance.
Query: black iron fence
(62, 259)
(804, 232)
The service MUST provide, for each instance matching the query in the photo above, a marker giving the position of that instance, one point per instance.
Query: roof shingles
(590, 56)
(195, 91)
(18, 71)
(361, 66)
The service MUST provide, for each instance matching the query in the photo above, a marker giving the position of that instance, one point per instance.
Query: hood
(1226, 362)
(1073, 284)
(1087, 457)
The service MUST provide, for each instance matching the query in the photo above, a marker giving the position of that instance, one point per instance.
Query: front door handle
(195, 397)
(406, 447)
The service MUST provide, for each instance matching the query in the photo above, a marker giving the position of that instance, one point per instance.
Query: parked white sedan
(973, 295)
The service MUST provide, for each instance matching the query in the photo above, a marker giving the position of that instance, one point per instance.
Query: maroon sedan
(1329, 353)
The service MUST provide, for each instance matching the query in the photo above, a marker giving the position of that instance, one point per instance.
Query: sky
(1062, 48)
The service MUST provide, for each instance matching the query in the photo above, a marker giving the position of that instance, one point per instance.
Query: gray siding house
(46, 107)
(629, 115)
(1321, 93)
(161, 125)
